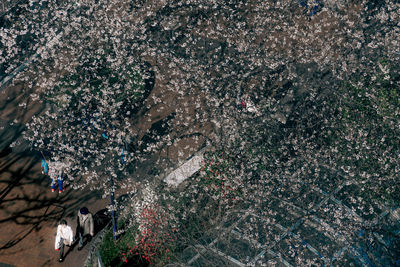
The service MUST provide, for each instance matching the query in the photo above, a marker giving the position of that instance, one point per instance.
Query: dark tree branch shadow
(25, 198)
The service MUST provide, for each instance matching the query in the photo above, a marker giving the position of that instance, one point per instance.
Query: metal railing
(94, 257)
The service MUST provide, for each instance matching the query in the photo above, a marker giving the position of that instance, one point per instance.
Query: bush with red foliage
(155, 239)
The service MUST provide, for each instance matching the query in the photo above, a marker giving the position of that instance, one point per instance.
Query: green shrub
(112, 250)
(109, 250)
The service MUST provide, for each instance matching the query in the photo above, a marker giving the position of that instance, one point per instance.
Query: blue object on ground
(314, 11)
(315, 8)
(122, 156)
(303, 3)
(104, 135)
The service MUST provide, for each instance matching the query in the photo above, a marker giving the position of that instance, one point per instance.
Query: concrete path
(29, 214)
(186, 170)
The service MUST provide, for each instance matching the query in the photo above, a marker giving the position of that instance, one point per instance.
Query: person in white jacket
(64, 236)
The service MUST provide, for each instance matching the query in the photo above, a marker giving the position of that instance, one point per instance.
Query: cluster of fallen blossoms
(121, 37)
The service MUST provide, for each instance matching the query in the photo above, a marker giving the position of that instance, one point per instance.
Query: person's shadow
(70, 248)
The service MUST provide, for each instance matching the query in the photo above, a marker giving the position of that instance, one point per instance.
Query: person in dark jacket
(85, 226)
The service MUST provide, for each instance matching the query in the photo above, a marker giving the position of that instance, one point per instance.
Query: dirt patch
(17, 105)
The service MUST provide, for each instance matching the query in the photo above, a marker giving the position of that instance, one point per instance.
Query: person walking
(64, 236)
(85, 226)
(56, 176)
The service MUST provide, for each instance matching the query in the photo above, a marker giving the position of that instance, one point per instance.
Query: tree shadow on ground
(26, 200)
